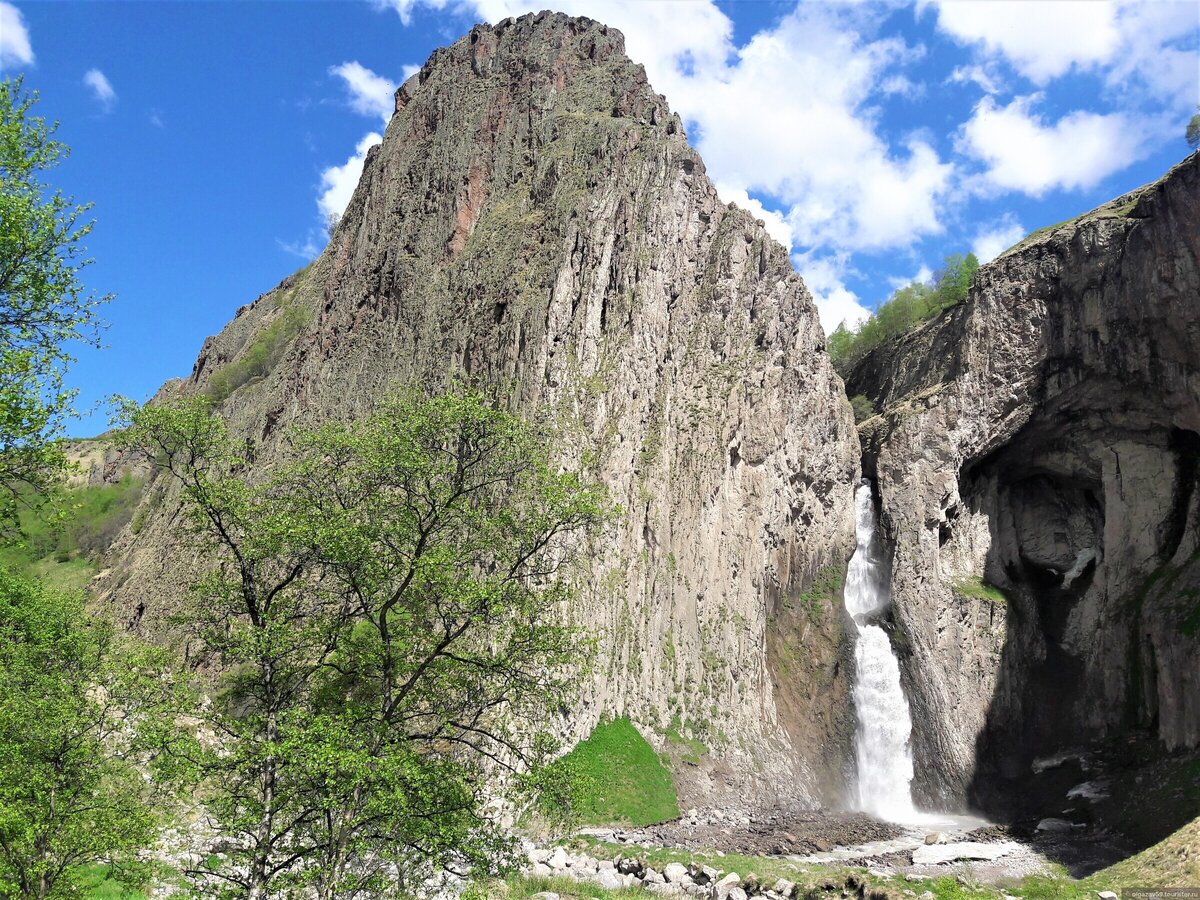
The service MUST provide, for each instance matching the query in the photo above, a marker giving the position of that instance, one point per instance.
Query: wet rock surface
(1036, 453)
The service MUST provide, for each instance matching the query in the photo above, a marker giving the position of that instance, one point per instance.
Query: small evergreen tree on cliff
(1193, 131)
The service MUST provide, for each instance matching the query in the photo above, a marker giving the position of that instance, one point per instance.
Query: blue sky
(874, 138)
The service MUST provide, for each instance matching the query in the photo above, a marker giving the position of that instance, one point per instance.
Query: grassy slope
(1174, 862)
(60, 540)
(619, 779)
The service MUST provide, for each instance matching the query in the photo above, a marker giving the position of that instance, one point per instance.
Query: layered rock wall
(1043, 439)
(535, 220)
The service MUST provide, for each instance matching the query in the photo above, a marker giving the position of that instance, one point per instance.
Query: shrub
(260, 355)
(863, 408)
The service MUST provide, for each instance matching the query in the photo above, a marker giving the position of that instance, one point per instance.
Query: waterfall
(881, 740)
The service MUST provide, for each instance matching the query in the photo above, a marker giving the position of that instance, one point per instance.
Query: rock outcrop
(535, 219)
(1037, 455)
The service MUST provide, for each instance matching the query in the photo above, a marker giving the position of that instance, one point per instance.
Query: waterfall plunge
(885, 766)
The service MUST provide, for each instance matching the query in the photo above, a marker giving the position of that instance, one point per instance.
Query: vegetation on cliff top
(908, 306)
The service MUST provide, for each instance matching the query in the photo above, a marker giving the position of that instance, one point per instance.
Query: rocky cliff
(1037, 455)
(535, 219)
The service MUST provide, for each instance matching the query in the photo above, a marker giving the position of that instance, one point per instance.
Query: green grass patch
(96, 883)
(615, 778)
(60, 540)
(978, 589)
(686, 748)
(521, 887)
(260, 355)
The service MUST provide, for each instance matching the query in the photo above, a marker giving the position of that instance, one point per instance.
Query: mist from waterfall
(881, 740)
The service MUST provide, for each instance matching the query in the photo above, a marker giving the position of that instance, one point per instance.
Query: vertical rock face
(1044, 438)
(535, 219)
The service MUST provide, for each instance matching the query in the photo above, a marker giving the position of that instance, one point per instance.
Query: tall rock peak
(536, 220)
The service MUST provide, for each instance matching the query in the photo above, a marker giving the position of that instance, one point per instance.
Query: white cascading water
(881, 741)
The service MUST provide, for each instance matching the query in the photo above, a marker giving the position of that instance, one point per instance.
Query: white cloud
(775, 223)
(987, 80)
(338, 182)
(100, 87)
(902, 86)
(15, 48)
(991, 242)
(1041, 38)
(836, 303)
(370, 94)
(1024, 153)
(816, 149)
(924, 275)
(404, 8)
(1136, 43)
(1158, 51)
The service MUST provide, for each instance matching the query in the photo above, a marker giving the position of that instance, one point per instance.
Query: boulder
(609, 880)
(722, 888)
(676, 873)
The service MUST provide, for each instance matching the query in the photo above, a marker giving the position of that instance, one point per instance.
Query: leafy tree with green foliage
(863, 408)
(385, 610)
(839, 342)
(43, 304)
(79, 714)
(908, 306)
(1193, 131)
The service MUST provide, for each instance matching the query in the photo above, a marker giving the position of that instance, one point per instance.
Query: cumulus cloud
(924, 275)
(370, 94)
(1150, 43)
(990, 242)
(101, 88)
(825, 277)
(15, 48)
(819, 151)
(1041, 38)
(1022, 152)
(338, 182)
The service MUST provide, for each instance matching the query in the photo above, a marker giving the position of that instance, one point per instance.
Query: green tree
(44, 306)
(1193, 131)
(909, 305)
(386, 612)
(841, 339)
(863, 408)
(79, 712)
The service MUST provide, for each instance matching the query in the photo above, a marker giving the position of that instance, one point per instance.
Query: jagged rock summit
(536, 219)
